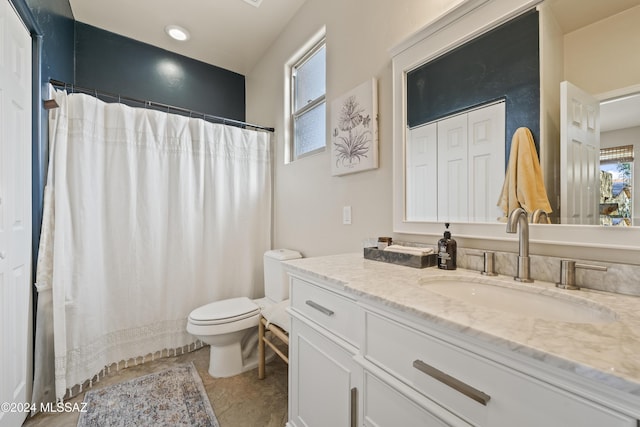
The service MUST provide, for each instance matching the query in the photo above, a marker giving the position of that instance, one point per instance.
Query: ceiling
(231, 34)
(575, 14)
(621, 113)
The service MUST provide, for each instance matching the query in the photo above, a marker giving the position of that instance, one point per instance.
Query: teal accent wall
(502, 64)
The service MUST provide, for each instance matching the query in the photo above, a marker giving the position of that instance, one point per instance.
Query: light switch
(346, 215)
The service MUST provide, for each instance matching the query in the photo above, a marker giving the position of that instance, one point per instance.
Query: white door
(453, 169)
(15, 215)
(579, 156)
(421, 169)
(486, 161)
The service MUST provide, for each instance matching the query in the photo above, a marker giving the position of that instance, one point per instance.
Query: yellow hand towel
(523, 185)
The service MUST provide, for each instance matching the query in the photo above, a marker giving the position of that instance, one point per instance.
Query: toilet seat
(224, 311)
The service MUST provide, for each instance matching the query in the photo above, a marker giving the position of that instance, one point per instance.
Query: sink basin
(525, 302)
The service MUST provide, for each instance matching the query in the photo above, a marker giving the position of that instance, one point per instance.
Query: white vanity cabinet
(324, 379)
(357, 361)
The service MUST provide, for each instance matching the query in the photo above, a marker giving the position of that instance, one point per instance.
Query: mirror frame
(460, 24)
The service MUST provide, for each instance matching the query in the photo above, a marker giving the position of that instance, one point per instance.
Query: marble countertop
(608, 352)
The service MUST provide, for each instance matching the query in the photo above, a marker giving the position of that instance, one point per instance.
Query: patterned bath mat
(174, 397)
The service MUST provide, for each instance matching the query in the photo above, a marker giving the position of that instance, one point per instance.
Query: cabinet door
(471, 164)
(486, 161)
(323, 380)
(421, 173)
(453, 169)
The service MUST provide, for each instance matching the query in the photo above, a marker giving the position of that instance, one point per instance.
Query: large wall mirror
(588, 48)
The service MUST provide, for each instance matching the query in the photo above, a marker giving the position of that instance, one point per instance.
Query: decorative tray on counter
(408, 260)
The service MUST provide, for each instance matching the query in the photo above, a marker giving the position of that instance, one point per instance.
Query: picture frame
(354, 130)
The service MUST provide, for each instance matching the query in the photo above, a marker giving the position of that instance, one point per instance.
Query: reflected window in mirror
(616, 186)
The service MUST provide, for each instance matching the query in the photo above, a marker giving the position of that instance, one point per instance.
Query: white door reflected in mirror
(465, 155)
(579, 155)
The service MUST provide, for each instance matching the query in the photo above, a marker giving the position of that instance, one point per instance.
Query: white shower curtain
(147, 216)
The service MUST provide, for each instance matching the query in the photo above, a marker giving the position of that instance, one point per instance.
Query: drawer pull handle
(354, 407)
(454, 383)
(318, 307)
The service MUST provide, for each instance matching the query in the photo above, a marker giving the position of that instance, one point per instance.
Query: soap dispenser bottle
(447, 251)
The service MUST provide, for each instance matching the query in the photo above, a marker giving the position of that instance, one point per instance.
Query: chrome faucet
(568, 273)
(489, 257)
(519, 217)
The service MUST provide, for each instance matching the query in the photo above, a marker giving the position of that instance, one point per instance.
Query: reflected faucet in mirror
(518, 220)
(539, 216)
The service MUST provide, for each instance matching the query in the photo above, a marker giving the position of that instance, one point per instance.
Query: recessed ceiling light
(255, 3)
(176, 32)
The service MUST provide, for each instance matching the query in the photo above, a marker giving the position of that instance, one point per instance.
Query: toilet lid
(224, 311)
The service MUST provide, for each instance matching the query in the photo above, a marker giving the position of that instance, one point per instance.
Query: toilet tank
(276, 283)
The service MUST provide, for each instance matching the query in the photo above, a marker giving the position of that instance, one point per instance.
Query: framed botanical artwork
(354, 130)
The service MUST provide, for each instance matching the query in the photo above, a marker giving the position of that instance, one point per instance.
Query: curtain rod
(146, 103)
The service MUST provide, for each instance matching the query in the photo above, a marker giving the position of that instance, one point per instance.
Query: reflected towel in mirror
(523, 185)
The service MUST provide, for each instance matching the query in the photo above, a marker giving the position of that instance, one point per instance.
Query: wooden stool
(276, 332)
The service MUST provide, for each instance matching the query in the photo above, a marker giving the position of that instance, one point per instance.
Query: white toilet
(230, 326)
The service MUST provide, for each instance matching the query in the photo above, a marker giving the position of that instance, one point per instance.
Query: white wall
(308, 201)
(603, 56)
(551, 74)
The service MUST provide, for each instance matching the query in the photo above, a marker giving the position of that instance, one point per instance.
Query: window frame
(309, 106)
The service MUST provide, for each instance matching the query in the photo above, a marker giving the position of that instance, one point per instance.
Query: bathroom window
(307, 103)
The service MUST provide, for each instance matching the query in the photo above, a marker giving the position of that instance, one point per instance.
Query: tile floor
(240, 401)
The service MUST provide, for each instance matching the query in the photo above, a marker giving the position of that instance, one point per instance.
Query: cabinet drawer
(395, 348)
(330, 310)
(474, 388)
(384, 406)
